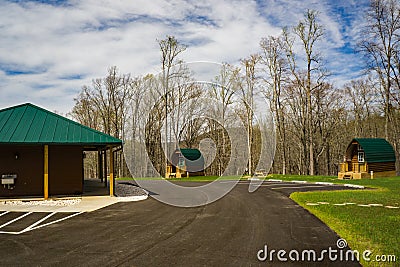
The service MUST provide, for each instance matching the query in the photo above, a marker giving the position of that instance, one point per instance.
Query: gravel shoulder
(128, 189)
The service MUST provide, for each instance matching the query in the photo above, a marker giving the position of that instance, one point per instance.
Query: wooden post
(46, 171)
(100, 165)
(105, 167)
(111, 172)
(167, 171)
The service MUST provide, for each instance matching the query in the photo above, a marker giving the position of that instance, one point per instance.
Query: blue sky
(50, 49)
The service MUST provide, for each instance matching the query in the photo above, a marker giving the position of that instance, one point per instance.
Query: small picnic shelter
(42, 153)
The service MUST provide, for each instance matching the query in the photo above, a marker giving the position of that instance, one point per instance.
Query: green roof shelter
(41, 153)
(368, 157)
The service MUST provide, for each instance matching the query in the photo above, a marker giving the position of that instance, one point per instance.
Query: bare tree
(274, 58)
(223, 91)
(170, 48)
(248, 92)
(380, 45)
(309, 32)
(104, 107)
(328, 113)
(362, 97)
(84, 110)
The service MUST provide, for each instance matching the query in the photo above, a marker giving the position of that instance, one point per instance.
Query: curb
(275, 180)
(319, 183)
(324, 183)
(354, 186)
(132, 198)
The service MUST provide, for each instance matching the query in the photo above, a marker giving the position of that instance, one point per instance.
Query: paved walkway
(83, 204)
(96, 196)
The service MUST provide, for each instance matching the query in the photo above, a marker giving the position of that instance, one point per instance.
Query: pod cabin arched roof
(185, 162)
(375, 149)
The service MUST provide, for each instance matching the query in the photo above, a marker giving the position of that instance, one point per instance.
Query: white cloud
(55, 49)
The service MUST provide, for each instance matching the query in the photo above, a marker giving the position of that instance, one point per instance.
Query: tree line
(314, 119)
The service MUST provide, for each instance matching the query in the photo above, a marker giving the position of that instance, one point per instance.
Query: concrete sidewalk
(83, 204)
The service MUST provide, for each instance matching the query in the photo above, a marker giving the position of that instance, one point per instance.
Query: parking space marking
(4, 213)
(35, 225)
(40, 221)
(16, 219)
(56, 221)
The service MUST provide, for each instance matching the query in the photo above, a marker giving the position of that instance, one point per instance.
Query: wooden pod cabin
(185, 162)
(368, 158)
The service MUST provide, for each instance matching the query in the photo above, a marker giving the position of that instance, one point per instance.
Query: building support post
(46, 171)
(105, 167)
(111, 172)
(100, 165)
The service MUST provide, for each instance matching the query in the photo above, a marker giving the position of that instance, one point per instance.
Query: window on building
(181, 162)
(360, 156)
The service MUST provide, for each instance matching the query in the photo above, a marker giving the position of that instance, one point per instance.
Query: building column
(46, 171)
(100, 165)
(111, 172)
(105, 167)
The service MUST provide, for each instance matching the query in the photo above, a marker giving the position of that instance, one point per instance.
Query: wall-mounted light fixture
(16, 156)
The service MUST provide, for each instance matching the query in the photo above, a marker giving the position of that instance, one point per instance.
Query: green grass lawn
(364, 228)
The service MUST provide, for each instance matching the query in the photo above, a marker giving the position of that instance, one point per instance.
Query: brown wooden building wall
(381, 166)
(28, 168)
(65, 170)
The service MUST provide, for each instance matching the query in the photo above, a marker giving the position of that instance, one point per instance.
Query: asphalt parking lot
(228, 232)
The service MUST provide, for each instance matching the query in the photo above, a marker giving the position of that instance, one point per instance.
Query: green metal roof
(194, 159)
(191, 153)
(376, 149)
(29, 124)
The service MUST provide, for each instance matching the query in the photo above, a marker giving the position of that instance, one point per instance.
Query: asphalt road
(228, 232)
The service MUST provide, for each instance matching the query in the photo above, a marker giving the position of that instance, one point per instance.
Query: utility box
(8, 179)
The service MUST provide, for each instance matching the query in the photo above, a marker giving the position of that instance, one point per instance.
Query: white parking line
(35, 225)
(4, 213)
(38, 222)
(56, 221)
(16, 219)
